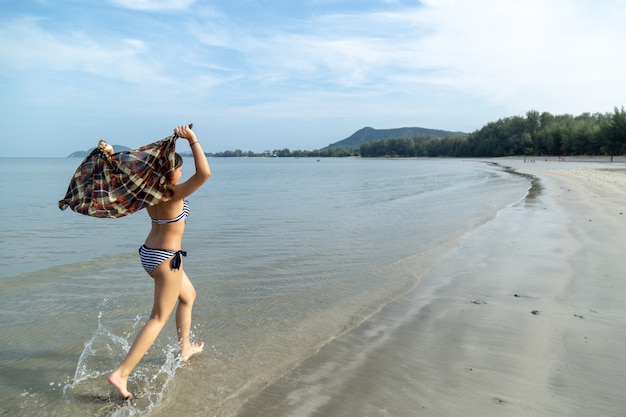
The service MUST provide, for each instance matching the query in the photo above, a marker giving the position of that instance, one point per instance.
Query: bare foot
(194, 349)
(119, 382)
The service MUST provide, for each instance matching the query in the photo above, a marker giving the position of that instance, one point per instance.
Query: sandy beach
(524, 316)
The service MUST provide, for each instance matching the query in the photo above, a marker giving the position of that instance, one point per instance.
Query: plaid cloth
(112, 186)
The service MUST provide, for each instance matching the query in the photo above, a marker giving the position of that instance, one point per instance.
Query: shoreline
(524, 317)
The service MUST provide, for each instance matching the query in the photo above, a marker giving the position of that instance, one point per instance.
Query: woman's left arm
(203, 171)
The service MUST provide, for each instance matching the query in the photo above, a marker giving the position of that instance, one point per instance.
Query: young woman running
(161, 257)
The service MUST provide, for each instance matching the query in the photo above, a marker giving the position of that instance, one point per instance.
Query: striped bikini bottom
(152, 258)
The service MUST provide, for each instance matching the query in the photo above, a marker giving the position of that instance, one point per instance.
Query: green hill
(368, 134)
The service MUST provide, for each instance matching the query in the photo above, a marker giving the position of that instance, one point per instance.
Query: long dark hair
(178, 161)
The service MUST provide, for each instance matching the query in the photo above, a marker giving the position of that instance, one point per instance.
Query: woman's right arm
(203, 171)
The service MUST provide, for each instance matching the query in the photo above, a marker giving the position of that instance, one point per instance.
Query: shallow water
(285, 254)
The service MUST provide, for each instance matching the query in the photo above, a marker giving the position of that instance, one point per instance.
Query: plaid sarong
(112, 186)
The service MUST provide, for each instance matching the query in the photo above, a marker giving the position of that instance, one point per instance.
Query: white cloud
(154, 5)
(535, 52)
(27, 46)
(135, 44)
(560, 55)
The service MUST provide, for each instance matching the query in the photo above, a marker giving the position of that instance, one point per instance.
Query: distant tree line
(535, 134)
(319, 153)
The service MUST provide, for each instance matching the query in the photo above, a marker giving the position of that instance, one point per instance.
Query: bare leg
(186, 299)
(167, 285)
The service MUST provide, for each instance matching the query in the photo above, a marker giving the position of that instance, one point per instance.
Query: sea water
(286, 254)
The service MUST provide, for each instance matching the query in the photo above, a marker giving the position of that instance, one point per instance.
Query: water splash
(92, 354)
(102, 353)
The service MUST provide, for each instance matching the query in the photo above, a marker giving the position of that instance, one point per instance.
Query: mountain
(82, 154)
(368, 134)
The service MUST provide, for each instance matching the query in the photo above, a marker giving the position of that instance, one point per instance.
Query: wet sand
(525, 316)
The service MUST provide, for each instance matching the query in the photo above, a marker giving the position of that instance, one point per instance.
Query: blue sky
(273, 74)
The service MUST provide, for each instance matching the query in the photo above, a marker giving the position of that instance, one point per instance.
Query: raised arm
(203, 171)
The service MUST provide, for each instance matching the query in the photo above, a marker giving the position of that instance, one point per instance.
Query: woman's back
(168, 225)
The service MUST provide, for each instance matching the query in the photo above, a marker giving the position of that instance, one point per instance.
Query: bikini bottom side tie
(177, 260)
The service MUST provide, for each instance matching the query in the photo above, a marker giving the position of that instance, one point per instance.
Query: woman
(161, 258)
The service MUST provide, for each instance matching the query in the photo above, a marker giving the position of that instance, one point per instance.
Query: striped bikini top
(182, 216)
